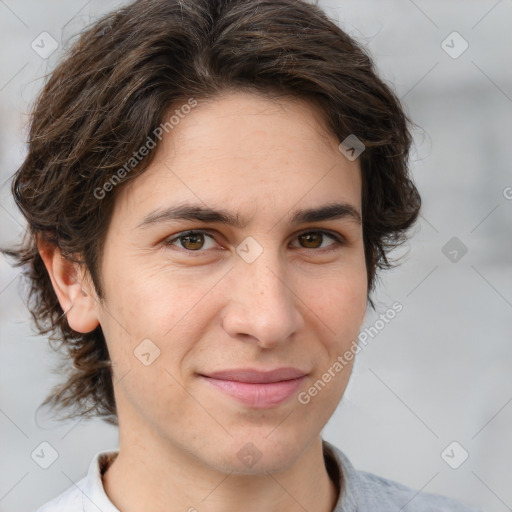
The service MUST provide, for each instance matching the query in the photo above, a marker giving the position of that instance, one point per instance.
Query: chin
(253, 455)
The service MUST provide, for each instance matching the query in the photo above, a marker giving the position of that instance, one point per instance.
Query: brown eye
(311, 240)
(192, 241)
(315, 239)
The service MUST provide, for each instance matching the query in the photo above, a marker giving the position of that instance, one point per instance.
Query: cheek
(157, 304)
(339, 297)
(340, 303)
(345, 314)
(142, 296)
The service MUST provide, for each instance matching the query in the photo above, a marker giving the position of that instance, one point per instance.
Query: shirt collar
(347, 478)
(94, 497)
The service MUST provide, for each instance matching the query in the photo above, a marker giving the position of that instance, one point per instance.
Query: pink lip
(258, 389)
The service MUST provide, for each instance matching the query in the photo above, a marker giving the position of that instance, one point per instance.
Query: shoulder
(382, 490)
(88, 494)
(71, 500)
(364, 491)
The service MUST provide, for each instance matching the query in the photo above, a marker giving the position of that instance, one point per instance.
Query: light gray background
(440, 371)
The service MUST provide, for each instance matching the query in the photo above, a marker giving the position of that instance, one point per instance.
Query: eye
(314, 239)
(194, 240)
(191, 241)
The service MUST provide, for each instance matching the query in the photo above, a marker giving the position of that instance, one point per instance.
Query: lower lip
(258, 396)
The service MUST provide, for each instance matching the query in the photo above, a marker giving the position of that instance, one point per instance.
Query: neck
(147, 477)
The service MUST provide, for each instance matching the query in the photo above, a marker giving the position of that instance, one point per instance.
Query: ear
(73, 288)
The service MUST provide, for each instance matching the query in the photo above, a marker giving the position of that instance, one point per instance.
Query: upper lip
(257, 376)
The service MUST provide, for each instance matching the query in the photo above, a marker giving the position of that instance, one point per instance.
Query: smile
(257, 395)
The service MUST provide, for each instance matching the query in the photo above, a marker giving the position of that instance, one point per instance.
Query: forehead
(241, 123)
(246, 149)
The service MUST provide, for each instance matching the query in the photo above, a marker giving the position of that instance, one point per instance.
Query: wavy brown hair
(114, 87)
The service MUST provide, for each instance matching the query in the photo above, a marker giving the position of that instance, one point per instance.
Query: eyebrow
(203, 213)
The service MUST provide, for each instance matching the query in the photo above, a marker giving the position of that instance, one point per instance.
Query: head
(234, 106)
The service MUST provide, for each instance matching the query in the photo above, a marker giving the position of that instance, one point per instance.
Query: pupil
(194, 239)
(309, 237)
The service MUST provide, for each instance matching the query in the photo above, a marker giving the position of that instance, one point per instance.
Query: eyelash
(338, 239)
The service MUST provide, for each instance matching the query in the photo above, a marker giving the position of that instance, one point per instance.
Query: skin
(296, 305)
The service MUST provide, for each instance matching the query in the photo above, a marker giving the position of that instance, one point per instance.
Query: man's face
(267, 295)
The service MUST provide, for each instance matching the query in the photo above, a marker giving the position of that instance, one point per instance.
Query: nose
(262, 303)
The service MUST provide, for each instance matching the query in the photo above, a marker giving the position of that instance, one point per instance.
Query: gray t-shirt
(360, 491)
(366, 492)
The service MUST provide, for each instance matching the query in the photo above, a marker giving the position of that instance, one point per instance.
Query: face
(275, 290)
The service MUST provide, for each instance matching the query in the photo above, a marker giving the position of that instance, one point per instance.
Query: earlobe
(74, 290)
